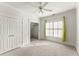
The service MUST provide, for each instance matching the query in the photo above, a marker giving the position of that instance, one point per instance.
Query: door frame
(38, 30)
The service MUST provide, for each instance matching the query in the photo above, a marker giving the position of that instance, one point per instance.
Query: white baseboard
(77, 50)
(7, 50)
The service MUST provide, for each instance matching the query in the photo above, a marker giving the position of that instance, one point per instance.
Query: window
(54, 29)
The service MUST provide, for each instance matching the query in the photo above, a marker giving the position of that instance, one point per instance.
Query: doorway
(34, 33)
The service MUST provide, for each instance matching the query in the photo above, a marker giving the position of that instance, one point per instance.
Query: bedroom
(55, 26)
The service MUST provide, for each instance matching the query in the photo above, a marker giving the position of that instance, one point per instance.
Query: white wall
(71, 27)
(78, 27)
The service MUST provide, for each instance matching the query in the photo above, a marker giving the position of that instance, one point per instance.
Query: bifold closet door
(10, 33)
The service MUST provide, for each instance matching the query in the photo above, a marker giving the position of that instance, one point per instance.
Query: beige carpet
(43, 48)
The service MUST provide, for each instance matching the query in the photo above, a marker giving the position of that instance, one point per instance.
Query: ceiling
(28, 7)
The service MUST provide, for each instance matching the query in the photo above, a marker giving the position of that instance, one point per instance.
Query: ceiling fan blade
(41, 11)
(47, 10)
(45, 4)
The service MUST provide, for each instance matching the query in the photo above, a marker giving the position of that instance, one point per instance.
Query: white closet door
(14, 32)
(10, 33)
(18, 32)
(1, 34)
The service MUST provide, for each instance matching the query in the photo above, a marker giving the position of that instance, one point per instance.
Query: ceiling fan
(41, 8)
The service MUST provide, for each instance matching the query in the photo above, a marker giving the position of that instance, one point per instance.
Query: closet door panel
(11, 35)
(5, 32)
(1, 33)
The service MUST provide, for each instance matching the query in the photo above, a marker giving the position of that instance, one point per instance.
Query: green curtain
(64, 30)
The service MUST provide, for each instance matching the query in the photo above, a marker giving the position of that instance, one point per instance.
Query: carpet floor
(43, 48)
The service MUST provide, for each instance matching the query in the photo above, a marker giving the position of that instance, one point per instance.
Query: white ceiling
(28, 7)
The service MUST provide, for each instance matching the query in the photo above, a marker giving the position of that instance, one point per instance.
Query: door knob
(11, 35)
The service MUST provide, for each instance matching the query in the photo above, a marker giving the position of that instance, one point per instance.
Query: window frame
(54, 29)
